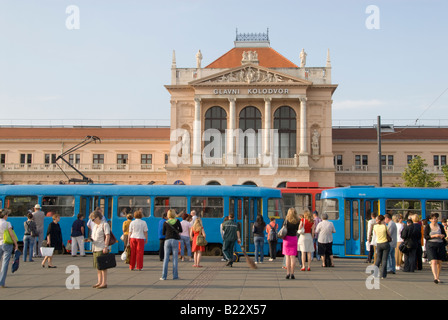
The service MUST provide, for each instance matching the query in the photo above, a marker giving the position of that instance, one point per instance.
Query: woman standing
(54, 240)
(30, 233)
(138, 237)
(258, 230)
(398, 219)
(6, 248)
(306, 245)
(271, 231)
(435, 245)
(171, 230)
(100, 241)
(290, 242)
(185, 236)
(195, 231)
(382, 245)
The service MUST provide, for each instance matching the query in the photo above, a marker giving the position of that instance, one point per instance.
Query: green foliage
(415, 175)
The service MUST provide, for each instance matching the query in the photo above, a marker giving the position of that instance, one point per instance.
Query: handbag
(200, 240)
(403, 248)
(302, 230)
(112, 239)
(7, 237)
(389, 238)
(106, 261)
(283, 231)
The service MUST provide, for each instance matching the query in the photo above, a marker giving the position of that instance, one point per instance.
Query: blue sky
(116, 64)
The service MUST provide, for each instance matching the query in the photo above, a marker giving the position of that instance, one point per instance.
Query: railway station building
(251, 116)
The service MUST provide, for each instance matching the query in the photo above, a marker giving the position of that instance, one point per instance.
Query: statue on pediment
(302, 58)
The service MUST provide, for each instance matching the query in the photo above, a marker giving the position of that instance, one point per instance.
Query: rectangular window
(361, 161)
(146, 161)
(26, 158)
(404, 207)
(2, 158)
(331, 208)
(50, 158)
(98, 160)
(19, 205)
(130, 204)
(163, 204)
(74, 158)
(122, 160)
(439, 160)
(438, 206)
(298, 201)
(208, 207)
(275, 208)
(62, 205)
(410, 157)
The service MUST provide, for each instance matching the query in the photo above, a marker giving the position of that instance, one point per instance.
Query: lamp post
(380, 166)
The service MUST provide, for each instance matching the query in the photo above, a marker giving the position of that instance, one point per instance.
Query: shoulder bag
(283, 231)
(389, 238)
(200, 240)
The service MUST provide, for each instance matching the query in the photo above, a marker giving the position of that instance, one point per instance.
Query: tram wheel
(215, 250)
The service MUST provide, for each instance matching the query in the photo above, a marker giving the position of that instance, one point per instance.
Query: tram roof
(371, 192)
(135, 190)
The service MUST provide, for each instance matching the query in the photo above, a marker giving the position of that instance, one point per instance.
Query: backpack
(272, 236)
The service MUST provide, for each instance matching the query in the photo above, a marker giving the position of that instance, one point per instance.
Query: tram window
(298, 201)
(163, 204)
(331, 208)
(405, 207)
(208, 207)
(275, 208)
(19, 205)
(441, 207)
(62, 205)
(131, 204)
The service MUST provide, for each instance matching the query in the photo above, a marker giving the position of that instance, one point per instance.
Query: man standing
(392, 228)
(232, 233)
(38, 216)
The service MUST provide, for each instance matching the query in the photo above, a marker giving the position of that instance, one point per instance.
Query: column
(267, 126)
(197, 132)
(231, 133)
(303, 154)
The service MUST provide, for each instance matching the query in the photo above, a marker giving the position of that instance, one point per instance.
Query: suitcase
(106, 261)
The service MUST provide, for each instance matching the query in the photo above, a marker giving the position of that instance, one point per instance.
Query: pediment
(249, 74)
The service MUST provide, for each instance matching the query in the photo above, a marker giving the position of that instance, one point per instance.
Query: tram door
(245, 210)
(355, 226)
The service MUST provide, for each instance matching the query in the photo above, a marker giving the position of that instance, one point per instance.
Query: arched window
(215, 118)
(249, 183)
(285, 123)
(213, 183)
(250, 123)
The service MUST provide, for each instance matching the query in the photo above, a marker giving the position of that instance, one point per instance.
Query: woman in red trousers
(138, 237)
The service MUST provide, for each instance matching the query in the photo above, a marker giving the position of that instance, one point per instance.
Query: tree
(415, 174)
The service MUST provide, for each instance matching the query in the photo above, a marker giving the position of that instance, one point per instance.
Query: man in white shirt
(325, 240)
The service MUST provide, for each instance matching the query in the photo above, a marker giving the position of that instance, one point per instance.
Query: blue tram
(212, 204)
(350, 209)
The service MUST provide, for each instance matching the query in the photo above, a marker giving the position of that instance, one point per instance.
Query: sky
(110, 60)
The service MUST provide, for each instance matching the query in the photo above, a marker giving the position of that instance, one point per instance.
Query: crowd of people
(398, 244)
(393, 244)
